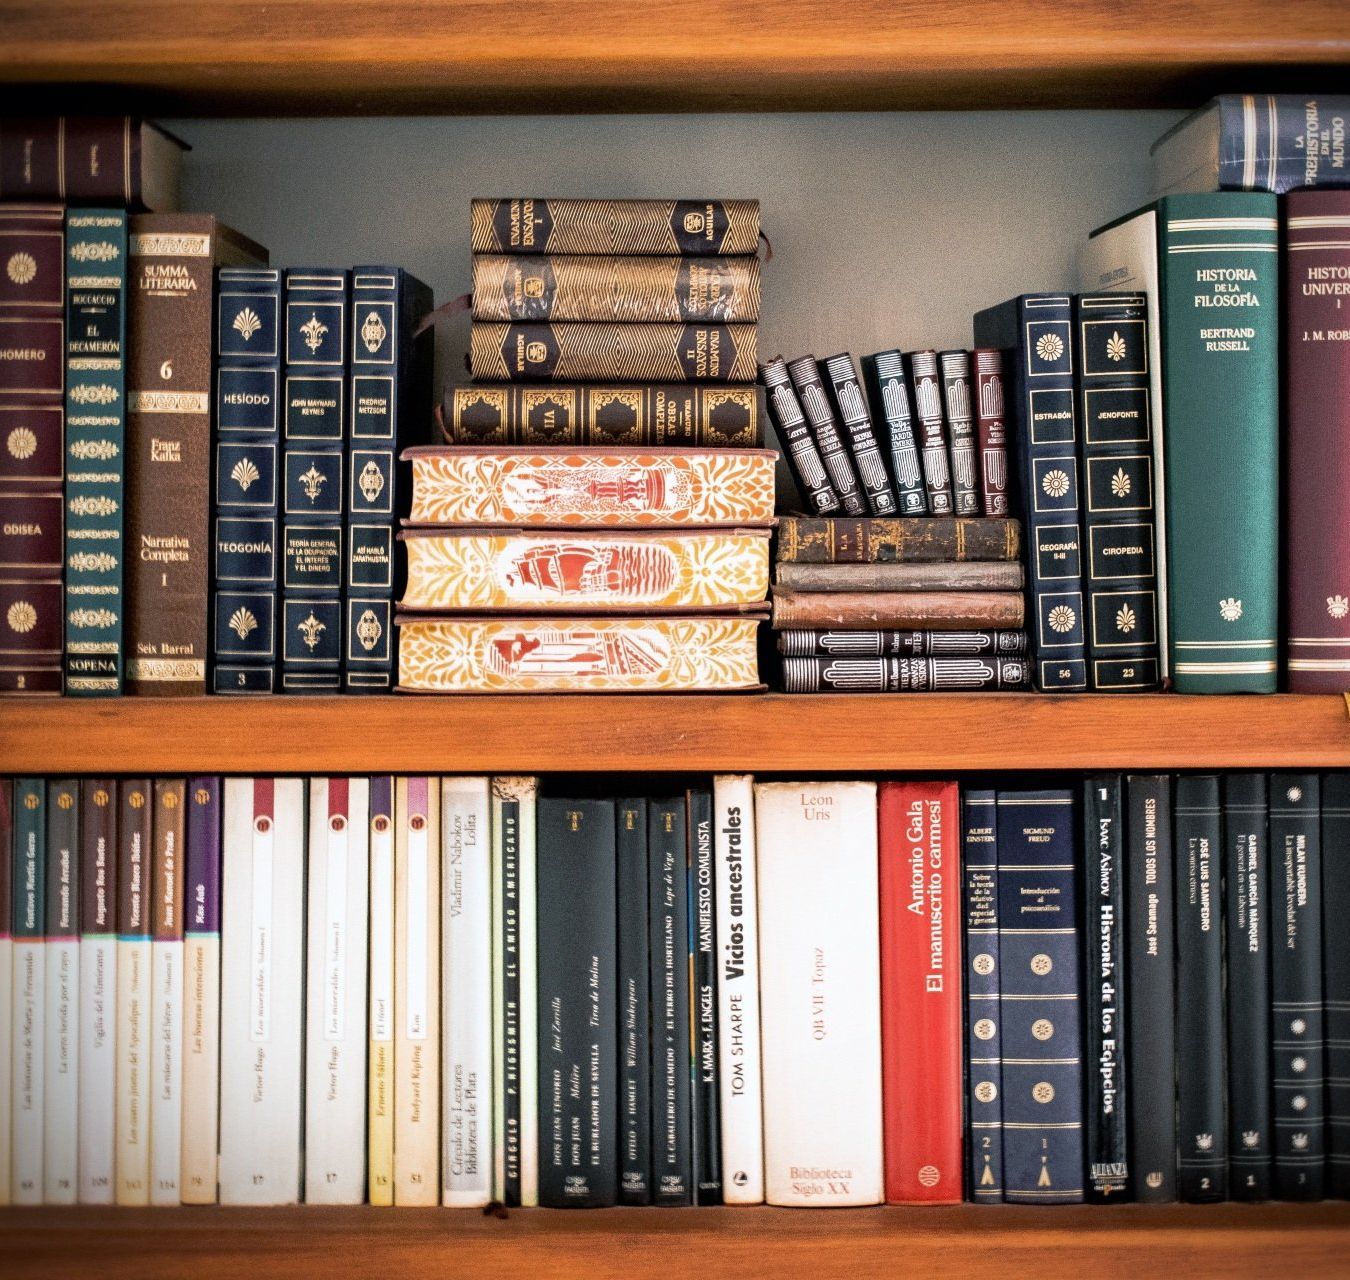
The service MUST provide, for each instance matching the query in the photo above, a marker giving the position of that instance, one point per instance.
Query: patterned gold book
(614, 488)
(694, 227)
(577, 655)
(617, 289)
(502, 569)
(613, 352)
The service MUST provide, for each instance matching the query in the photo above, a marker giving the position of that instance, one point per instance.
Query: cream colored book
(201, 993)
(466, 980)
(380, 1072)
(166, 985)
(417, 992)
(135, 842)
(335, 992)
(61, 1020)
(6, 985)
(820, 1001)
(28, 999)
(261, 996)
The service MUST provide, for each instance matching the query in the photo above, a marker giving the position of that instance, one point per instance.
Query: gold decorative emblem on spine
(246, 323)
(21, 617)
(371, 481)
(310, 630)
(373, 332)
(312, 482)
(368, 630)
(314, 330)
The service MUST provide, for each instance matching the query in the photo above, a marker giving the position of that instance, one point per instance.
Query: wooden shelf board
(362, 56)
(655, 733)
(166, 1244)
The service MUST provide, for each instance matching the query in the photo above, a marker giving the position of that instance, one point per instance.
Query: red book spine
(1317, 409)
(992, 433)
(921, 1026)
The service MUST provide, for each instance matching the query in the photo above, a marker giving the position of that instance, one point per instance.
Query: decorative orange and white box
(591, 488)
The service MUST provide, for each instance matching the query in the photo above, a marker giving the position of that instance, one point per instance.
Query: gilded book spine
(675, 415)
(801, 453)
(926, 383)
(903, 675)
(900, 644)
(806, 381)
(96, 315)
(991, 430)
(961, 440)
(937, 539)
(699, 228)
(888, 394)
(120, 161)
(712, 353)
(857, 422)
(620, 290)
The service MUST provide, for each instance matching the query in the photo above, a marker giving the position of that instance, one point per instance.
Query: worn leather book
(120, 161)
(647, 570)
(168, 473)
(715, 353)
(897, 610)
(674, 415)
(804, 373)
(560, 655)
(610, 488)
(1317, 415)
(977, 576)
(991, 431)
(690, 227)
(903, 675)
(800, 451)
(627, 290)
(937, 539)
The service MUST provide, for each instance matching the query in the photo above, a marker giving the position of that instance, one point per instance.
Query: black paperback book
(1336, 975)
(509, 1012)
(888, 394)
(1297, 1071)
(705, 1082)
(1202, 1061)
(1105, 1131)
(635, 1066)
(578, 1004)
(1247, 937)
(668, 920)
(1151, 1009)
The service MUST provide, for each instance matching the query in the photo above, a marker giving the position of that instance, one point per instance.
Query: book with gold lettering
(590, 655)
(692, 227)
(616, 488)
(716, 353)
(486, 569)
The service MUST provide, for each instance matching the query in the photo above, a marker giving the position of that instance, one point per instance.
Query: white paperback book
(6, 988)
(261, 1001)
(166, 985)
(28, 992)
(1124, 256)
(820, 1000)
(335, 984)
(135, 810)
(466, 918)
(61, 1054)
(741, 1083)
(98, 991)
(380, 1059)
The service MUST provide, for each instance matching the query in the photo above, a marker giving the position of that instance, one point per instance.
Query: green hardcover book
(1219, 258)
(96, 328)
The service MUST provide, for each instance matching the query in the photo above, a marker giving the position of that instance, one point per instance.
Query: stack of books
(572, 547)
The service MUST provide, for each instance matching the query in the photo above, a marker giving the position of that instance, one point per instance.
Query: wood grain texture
(359, 56)
(616, 1244)
(763, 733)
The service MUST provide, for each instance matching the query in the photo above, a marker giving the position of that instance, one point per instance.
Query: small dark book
(799, 445)
(806, 380)
(900, 644)
(1296, 1065)
(578, 1044)
(961, 440)
(991, 431)
(862, 440)
(668, 920)
(925, 381)
(1336, 975)
(1247, 935)
(704, 1072)
(905, 675)
(635, 1064)
(1151, 1012)
(1202, 1061)
(884, 379)
(1107, 1033)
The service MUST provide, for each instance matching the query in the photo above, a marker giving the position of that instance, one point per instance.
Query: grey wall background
(887, 229)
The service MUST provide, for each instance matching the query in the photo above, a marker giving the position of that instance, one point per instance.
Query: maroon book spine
(1317, 410)
(991, 431)
(32, 391)
(81, 159)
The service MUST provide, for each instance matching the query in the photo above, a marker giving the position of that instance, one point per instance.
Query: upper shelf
(298, 57)
(664, 732)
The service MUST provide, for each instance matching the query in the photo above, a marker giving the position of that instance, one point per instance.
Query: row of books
(425, 990)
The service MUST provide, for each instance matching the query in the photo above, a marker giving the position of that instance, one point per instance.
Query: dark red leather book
(921, 1013)
(120, 161)
(1317, 410)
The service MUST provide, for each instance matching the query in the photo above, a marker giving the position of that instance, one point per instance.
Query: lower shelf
(1296, 1240)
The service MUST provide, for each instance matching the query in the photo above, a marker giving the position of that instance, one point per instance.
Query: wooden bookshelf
(363, 57)
(616, 1244)
(670, 733)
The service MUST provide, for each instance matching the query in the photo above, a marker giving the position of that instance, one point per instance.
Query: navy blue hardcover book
(314, 430)
(1034, 332)
(1040, 994)
(390, 409)
(984, 1067)
(248, 395)
(1336, 975)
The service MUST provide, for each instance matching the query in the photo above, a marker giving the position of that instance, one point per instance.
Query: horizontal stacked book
(612, 534)
(466, 990)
